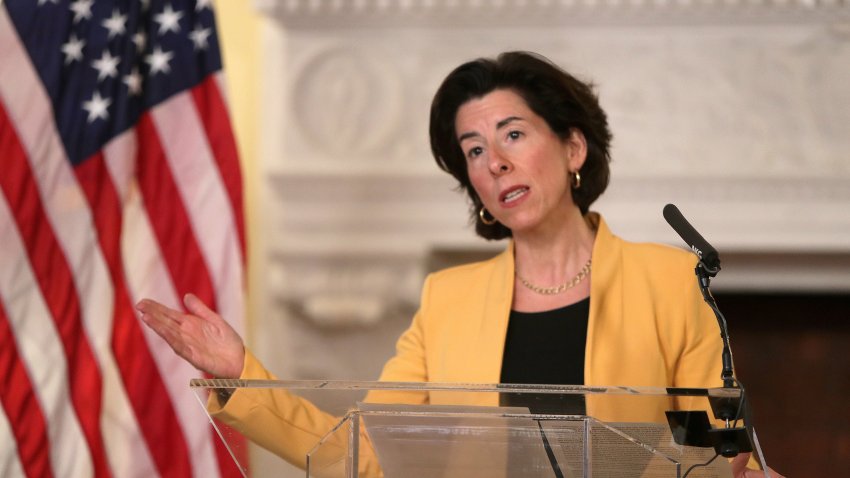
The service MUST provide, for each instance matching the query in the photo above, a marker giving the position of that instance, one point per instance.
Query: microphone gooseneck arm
(727, 374)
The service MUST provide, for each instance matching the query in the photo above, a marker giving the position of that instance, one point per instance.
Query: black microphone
(731, 440)
(707, 254)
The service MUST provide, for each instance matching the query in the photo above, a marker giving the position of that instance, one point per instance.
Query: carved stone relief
(347, 102)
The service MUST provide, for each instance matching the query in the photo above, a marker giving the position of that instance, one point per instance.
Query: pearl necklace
(560, 288)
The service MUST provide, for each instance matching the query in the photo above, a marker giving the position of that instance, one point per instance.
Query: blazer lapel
(606, 302)
(490, 343)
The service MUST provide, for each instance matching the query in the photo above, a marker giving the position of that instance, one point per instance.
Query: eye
(474, 152)
(514, 134)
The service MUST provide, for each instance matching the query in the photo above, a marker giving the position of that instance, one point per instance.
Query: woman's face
(518, 166)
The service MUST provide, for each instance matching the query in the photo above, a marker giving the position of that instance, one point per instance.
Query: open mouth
(514, 194)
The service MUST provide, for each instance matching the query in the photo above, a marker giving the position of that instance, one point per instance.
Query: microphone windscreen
(694, 239)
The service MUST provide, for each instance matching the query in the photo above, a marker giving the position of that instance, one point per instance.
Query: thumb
(197, 306)
(739, 464)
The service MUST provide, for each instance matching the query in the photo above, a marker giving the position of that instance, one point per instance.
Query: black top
(546, 348)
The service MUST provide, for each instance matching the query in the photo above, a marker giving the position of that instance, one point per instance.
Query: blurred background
(735, 110)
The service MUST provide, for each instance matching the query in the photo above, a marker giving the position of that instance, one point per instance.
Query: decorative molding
(495, 13)
(347, 102)
(740, 216)
(348, 250)
(337, 289)
(329, 214)
(745, 101)
(768, 272)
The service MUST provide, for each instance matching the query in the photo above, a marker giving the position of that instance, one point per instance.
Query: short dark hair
(563, 101)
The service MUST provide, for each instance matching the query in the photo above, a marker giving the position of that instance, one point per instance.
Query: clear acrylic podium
(413, 430)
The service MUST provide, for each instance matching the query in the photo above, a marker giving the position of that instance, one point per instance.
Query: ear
(576, 146)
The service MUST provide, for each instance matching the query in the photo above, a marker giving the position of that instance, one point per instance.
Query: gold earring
(575, 180)
(486, 221)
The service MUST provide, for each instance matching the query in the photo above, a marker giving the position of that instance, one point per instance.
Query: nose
(499, 163)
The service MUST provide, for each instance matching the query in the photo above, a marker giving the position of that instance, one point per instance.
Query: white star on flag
(115, 24)
(97, 106)
(158, 60)
(73, 50)
(168, 20)
(81, 9)
(134, 82)
(140, 39)
(106, 66)
(202, 4)
(199, 37)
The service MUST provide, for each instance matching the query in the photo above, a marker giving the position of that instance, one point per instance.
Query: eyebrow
(507, 121)
(501, 124)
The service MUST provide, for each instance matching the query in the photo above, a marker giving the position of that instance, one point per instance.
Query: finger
(750, 473)
(179, 345)
(165, 328)
(159, 317)
(159, 311)
(773, 473)
(172, 332)
(146, 306)
(198, 307)
(739, 465)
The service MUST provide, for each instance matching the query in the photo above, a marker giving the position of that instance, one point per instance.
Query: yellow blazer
(648, 326)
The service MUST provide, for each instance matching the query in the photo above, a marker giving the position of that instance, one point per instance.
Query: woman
(529, 144)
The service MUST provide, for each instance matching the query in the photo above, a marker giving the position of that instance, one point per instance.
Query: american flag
(120, 180)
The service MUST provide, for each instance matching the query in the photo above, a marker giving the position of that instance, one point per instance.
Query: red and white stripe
(157, 213)
(29, 336)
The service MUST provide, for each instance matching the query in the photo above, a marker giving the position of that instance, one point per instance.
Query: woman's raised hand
(200, 336)
(740, 470)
